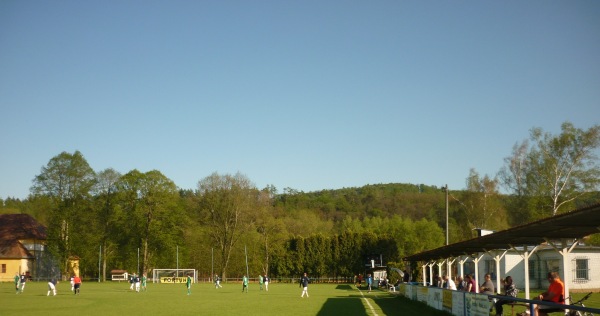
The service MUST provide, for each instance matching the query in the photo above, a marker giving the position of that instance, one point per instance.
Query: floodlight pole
(446, 190)
(99, 263)
(247, 272)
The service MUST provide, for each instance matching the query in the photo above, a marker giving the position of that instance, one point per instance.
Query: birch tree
(563, 167)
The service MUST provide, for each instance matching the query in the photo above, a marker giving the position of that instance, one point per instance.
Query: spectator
(487, 287)
(460, 284)
(471, 284)
(555, 294)
(450, 285)
(509, 290)
(439, 282)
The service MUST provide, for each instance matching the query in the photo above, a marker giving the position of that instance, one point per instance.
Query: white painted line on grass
(368, 303)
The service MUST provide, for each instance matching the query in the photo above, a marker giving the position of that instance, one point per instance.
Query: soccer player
(266, 280)
(144, 280)
(17, 281)
(52, 286)
(217, 282)
(23, 281)
(76, 284)
(188, 283)
(137, 283)
(304, 282)
(131, 282)
(245, 284)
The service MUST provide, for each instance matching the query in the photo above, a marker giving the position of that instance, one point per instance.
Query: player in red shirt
(77, 284)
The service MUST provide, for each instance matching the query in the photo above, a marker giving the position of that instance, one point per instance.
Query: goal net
(173, 275)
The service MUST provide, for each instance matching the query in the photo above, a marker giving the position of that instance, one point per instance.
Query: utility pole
(446, 190)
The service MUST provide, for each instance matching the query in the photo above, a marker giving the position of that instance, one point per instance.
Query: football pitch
(113, 298)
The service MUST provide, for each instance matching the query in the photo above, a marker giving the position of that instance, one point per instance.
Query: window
(3, 268)
(532, 269)
(581, 269)
(490, 267)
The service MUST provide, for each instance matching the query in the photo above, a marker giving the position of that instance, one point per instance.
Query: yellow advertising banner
(173, 280)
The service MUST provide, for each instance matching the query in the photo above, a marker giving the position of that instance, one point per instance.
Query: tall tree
(107, 206)
(513, 177)
(482, 202)
(67, 179)
(563, 167)
(227, 205)
(553, 172)
(150, 199)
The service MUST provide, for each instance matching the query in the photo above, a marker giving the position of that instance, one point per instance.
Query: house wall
(544, 260)
(13, 266)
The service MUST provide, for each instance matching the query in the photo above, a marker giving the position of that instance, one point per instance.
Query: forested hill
(414, 201)
(467, 209)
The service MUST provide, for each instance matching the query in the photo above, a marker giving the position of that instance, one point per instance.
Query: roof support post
(497, 258)
(440, 264)
(449, 263)
(431, 264)
(424, 274)
(564, 252)
(461, 266)
(525, 255)
(476, 259)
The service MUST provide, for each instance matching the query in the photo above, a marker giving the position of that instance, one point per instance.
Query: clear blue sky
(309, 95)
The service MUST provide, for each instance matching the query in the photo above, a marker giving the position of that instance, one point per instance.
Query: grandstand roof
(571, 225)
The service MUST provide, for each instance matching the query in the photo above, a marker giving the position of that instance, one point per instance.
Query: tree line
(117, 216)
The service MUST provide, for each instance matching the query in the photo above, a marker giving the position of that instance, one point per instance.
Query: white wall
(513, 264)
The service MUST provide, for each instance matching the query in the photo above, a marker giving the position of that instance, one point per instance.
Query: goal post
(173, 275)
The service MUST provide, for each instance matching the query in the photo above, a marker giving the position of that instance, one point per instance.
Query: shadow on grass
(345, 288)
(343, 306)
(399, 305)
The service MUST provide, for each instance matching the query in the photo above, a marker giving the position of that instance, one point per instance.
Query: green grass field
(171, 299)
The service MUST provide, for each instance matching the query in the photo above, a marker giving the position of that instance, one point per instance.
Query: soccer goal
(173, 275)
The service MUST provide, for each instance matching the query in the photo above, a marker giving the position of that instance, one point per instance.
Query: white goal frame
(173, 275)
